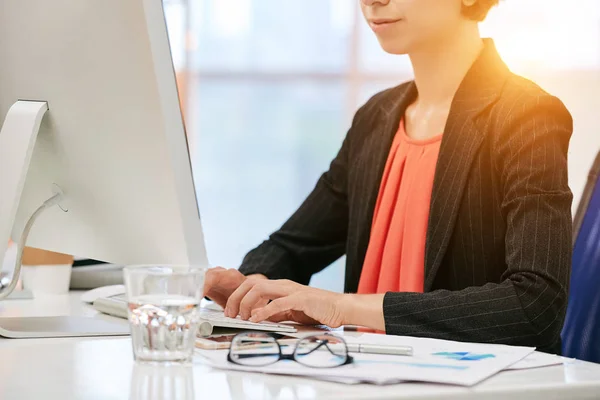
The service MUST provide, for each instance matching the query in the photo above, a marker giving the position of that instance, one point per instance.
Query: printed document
(434, 361)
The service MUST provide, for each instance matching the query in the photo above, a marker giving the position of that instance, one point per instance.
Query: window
(270, 86)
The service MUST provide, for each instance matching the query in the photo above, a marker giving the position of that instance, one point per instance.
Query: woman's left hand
(290, 301)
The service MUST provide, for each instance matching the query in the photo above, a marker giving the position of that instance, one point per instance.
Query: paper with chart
(436, 361)
(537, 360)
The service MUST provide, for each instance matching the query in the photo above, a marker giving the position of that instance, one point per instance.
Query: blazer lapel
(392, 113)
(371, 165)
(460, 144)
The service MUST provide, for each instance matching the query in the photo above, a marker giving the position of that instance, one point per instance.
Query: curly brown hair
(479, 10)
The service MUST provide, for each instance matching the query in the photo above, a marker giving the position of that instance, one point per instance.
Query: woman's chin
(398, 47)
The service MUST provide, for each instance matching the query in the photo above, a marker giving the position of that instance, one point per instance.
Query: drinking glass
(163, 309)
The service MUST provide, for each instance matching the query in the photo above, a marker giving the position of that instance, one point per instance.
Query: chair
(581, 332)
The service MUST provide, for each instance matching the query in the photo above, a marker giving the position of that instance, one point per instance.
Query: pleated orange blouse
(395, 259)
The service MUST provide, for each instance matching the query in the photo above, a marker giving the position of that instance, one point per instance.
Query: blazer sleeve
(315, 235)
(529, 305)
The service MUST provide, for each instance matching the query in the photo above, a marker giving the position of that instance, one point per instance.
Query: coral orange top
(395, 259)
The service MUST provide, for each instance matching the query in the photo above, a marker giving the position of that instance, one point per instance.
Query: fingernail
(253, 318)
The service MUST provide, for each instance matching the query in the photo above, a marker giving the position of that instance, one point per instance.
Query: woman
(449, 198)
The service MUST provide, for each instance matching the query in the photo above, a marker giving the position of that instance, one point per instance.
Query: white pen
(380, 349)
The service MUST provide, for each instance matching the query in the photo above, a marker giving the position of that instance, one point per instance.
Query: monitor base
(63, 326)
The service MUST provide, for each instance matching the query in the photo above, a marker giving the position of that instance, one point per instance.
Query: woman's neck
(439, 69)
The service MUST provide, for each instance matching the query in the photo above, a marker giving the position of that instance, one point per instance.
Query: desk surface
(93, 368)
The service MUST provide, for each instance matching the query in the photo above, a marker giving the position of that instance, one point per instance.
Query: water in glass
(163, 327)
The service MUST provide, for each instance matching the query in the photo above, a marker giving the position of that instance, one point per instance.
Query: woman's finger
(281, 317)
(261, 293)
(256, 297)
(275, 307)
(233, 304)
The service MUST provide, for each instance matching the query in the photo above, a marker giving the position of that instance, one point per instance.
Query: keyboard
(217, 318)
(117, 306)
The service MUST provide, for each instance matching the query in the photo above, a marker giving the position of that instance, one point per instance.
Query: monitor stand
(22, 294)
(17, 140)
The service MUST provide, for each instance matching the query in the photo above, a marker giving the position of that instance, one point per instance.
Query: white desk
(104, 369)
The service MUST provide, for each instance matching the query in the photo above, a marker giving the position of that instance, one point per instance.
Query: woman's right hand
(220, 283)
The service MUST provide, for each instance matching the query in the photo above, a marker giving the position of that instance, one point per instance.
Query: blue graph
(464, 356)
(412, 364)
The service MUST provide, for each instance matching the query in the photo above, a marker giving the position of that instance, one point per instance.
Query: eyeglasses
(258, 349)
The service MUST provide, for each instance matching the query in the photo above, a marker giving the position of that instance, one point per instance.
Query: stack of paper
(435, 361)
(537, 360)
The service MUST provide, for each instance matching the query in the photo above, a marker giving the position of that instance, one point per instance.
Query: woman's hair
(479, 10)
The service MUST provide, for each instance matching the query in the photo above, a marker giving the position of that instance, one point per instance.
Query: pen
(380, 349)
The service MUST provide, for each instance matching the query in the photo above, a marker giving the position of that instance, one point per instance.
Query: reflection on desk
(150, 381)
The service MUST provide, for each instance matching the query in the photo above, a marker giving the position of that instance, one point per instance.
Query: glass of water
(163, 311)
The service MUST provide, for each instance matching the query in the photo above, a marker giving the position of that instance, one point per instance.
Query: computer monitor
(112, 139)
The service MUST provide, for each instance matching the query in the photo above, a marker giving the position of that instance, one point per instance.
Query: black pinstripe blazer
(498, 250)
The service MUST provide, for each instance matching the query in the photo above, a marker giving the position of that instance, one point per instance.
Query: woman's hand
(290, 301)
(220, 283)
